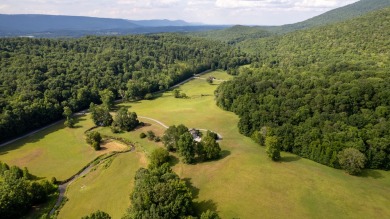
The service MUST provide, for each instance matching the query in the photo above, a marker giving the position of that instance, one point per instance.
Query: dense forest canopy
(237, 34)
(234, 34)
(39, 77)
(319, 91)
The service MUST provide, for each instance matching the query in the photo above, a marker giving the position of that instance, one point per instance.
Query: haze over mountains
(59, 25)
(76, 26)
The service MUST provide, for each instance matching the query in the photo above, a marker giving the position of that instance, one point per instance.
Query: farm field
(244, 183)
(107, 188)
(54, 152)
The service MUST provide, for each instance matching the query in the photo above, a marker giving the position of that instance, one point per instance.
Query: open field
(246, 184)
(57, 151)
(243, 184)
(106, 188)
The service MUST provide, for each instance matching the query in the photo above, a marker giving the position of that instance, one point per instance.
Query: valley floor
(244, 183)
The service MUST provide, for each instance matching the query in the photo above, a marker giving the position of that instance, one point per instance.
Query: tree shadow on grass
(32, 138)
(173, 160)
(371, 174)
(116, 107)
(203, 206)
(290, 158)
(200, 206)
(193, 189)
(224, 154)
(77, 120)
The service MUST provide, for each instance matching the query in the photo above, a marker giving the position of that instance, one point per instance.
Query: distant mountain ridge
(161, 23)
(239, 34)
(20, 24)
(336, 15)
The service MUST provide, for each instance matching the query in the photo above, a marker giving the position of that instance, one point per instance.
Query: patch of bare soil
(111, 145)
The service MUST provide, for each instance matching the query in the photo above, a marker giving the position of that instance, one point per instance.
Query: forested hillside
(39, 77)
(237, 34)
(234, 34)
(339, 14)
(319, 91)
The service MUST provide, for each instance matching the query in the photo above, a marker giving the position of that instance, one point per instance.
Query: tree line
(160, 193)
(319, 92)
(39, 78)
(19, 191)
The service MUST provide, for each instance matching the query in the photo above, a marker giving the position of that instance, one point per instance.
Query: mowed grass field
(246, 184)
(54, 152)
(243, 184)
(107, 188)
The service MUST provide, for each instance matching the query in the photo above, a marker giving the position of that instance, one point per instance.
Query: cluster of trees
(19, 191)
(178, 94)
(94, 139)
(125, 120)
(319, 92)
(97, 215)
(160, 193)
(179, 139)
(40, 77)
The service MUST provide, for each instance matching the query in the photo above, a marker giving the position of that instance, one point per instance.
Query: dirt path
(62, 187)
(154, 120)
(196, 77)
(165, 126)
(85, 111)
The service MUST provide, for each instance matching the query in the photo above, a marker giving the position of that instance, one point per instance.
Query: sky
(245, 12)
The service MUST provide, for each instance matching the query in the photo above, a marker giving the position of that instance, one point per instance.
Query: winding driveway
(62, 187)
(165, 126)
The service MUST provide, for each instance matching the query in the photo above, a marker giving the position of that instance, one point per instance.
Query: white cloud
(149, 3)
(321, 3)
(281, 4)
(262, 12)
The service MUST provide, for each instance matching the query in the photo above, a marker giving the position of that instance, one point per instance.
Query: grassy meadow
(57, 151)
(244, 183)
(106, 188)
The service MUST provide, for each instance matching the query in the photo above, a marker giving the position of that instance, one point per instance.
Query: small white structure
(195, 134)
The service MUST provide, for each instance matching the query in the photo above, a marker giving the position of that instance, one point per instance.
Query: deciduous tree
(272, 147)
(186, 147)
(352, 160)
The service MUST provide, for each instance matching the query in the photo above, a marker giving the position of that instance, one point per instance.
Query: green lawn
(246, 184)
(243, 184)
(57, 151)
(107, 188)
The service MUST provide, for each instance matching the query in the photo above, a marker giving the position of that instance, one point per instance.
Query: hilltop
(238, 34)
(320, 90)
(75, 26)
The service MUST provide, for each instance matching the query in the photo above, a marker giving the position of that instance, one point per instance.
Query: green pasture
(246, 184)
(106, 188)
(57, 151)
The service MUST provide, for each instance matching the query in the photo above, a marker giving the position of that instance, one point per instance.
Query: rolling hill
(238, 34)
(234, 34)
(339, 14)
(321, 90)
(75, 26)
